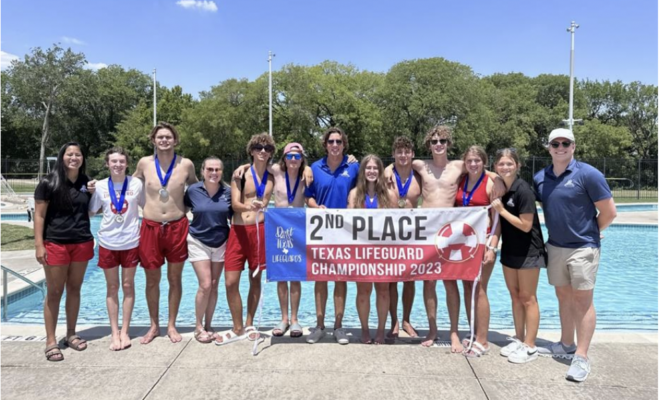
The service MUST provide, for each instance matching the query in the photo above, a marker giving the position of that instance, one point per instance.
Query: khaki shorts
(198, 251)
(575, 267)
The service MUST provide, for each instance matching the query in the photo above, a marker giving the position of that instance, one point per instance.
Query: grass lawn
(16, 237)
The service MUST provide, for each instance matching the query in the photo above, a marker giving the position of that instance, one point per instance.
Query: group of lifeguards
(227, 232)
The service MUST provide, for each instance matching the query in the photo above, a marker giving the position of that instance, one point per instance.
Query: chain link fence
(628, 178)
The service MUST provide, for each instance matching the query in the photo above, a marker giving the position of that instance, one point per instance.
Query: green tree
(38, 81)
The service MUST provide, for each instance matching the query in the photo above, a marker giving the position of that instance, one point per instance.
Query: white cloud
(6, 59)
(71, 40)
(95, 66)
(204, 5)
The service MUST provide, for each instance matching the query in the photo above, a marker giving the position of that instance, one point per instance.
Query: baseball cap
(561, 133)
(294, 146)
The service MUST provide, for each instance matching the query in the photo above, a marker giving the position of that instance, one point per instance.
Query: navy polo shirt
(66, 222)
(211, 215)
(568, 204)
(518, 246)
(331, 188)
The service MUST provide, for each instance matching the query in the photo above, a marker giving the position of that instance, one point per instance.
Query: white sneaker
(511, 347)
(524, 354)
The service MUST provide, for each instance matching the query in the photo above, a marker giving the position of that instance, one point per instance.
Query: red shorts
(163, 240)
(113, 258)
(65, 254)
(244, 245)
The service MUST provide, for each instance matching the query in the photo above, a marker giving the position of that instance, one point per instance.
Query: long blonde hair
(381, 186)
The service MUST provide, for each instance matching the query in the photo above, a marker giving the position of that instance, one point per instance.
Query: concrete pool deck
(624, 366)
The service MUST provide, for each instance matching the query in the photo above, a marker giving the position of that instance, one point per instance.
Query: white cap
(561, 133)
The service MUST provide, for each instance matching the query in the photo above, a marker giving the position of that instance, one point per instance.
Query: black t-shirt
(66, 222)
(517, 245)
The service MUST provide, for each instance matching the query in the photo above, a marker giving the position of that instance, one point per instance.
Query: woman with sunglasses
(210, 203)
(63, 242)
(523, 255)
(371, 192)
(118, 197)
(477, 188)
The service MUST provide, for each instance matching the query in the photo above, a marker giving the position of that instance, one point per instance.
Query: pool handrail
(5, 301)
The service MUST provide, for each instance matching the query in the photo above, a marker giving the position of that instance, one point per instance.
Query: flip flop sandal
(296, 330)
(77, 345)
(229, 337)
(412, 328)
(477, 350)
(466, 340)
(52, 352)
(203, 337)
(252, 333)
(280, 329)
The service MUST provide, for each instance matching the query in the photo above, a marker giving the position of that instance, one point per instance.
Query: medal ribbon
(466, 200)
(163, 181)
(118, 203)
(261, 187)
(403, 189)
(369, 203)
(290, 195)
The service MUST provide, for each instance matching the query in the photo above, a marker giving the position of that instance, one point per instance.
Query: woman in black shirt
(64, 243)
(523, 254)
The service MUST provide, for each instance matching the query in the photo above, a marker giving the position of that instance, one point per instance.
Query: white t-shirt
(112, 234)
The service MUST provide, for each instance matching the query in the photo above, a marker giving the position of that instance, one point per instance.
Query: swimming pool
(628, 207)
(626, 295)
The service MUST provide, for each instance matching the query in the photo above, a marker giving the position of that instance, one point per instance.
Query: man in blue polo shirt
(334, 178)
(577, 206)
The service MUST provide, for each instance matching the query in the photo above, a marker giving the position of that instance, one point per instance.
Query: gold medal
(402, 202)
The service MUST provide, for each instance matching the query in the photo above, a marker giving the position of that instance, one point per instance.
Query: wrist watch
(493, 248)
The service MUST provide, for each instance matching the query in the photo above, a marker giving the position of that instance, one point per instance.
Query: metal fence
(628, 178)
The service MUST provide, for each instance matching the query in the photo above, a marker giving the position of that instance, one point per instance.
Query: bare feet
(430, 338)
(409, 329)
(115, 342)
(380, 337)
(394, 332)
(125, 341)
(366, 337)
(174, 336)
(456, 345)
(153, 333)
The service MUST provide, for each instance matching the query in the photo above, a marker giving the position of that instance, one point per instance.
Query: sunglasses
(335, 141)
(441, 141)
(555, 145)
(259, 147)
(293, 156)
(209, 169)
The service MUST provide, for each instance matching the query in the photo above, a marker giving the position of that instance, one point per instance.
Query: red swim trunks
(65, 254)
(159, 241)
(113, 258)
(244, 245)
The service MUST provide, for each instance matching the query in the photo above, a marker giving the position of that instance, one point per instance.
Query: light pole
(155, 97)
(570, 121)
(270, 93)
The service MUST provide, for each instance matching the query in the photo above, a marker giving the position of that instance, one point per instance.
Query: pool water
(626, 294)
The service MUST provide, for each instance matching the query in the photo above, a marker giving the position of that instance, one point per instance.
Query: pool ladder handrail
(5, 301)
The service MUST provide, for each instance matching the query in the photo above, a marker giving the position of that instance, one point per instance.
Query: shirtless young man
(247, 241)
(408, 188)
(440, 178)
(288, 191)
(164, 224)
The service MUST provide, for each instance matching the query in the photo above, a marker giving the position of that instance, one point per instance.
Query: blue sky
(197, 44)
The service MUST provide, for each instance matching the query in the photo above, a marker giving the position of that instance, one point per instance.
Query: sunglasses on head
(500, 151)
(555, 145)
(293, 156)
(441, 141)
(269, 147)
(209, 169)
(335, 141)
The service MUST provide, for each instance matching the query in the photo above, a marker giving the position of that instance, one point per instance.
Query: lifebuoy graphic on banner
(457, 242)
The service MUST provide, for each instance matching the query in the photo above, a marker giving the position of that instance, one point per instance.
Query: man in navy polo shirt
(577, 206)
(334, 178)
